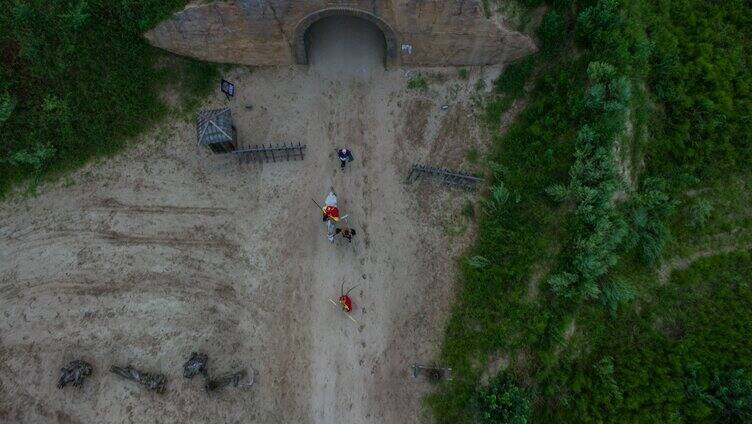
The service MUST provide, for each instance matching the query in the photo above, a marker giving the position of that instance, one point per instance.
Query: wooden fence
(447, 177)
(272, 152)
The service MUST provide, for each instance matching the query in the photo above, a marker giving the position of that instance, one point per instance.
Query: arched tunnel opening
(345, 43)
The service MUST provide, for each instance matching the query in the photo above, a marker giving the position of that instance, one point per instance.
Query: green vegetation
(418, 83)
(670, 358)
(552, 31)
(77, 80)
(604, 270)
(729, 396)
(468, 210)
(502, 402)
(472, 155)
(702, 75)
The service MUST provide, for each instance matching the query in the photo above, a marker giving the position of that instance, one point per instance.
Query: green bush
(7, 104)
(558, 192)
(729, 395)
(502, 402)
(497, 200)
(512, 80)
(599, 229)
(616, 293)
(418, 83)
(33, 158)
(480, 85)
(648, 213)
(700, 212)
(552, 31)
(77, 79)
(468, 210)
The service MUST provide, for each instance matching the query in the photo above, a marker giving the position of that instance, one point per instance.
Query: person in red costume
(331, 215)
(345, 302)
(330, 212)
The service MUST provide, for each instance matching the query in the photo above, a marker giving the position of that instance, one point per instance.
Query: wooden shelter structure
(215, 130)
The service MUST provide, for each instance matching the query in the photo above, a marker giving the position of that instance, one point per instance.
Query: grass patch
(468, 210)
(472, 155)
(418, 83)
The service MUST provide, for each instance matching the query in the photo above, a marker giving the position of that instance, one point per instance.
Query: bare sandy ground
(168, 249)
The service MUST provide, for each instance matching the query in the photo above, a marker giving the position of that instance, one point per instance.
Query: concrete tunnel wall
(272, 32)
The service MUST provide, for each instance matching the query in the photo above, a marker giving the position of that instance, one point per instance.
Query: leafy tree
(563, 284)
(604, 369)
(77, 16)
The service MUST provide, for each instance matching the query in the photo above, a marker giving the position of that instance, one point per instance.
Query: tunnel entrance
(345, 45)
(344, 37)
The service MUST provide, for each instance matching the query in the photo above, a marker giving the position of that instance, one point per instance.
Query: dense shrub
(699, 212)
(502, 402)
(616, 293)
(729, 395)
(702, 77)
(515, 227)
(552, 31)
(77, 79)
(418, 83)
(648, 214)
(512, 81)
(665, 84)
(677, 359)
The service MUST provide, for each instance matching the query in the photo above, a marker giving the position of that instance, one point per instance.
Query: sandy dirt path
(168, 249)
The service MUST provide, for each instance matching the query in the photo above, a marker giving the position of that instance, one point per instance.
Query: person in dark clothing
(344, 155)
(347, 233)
